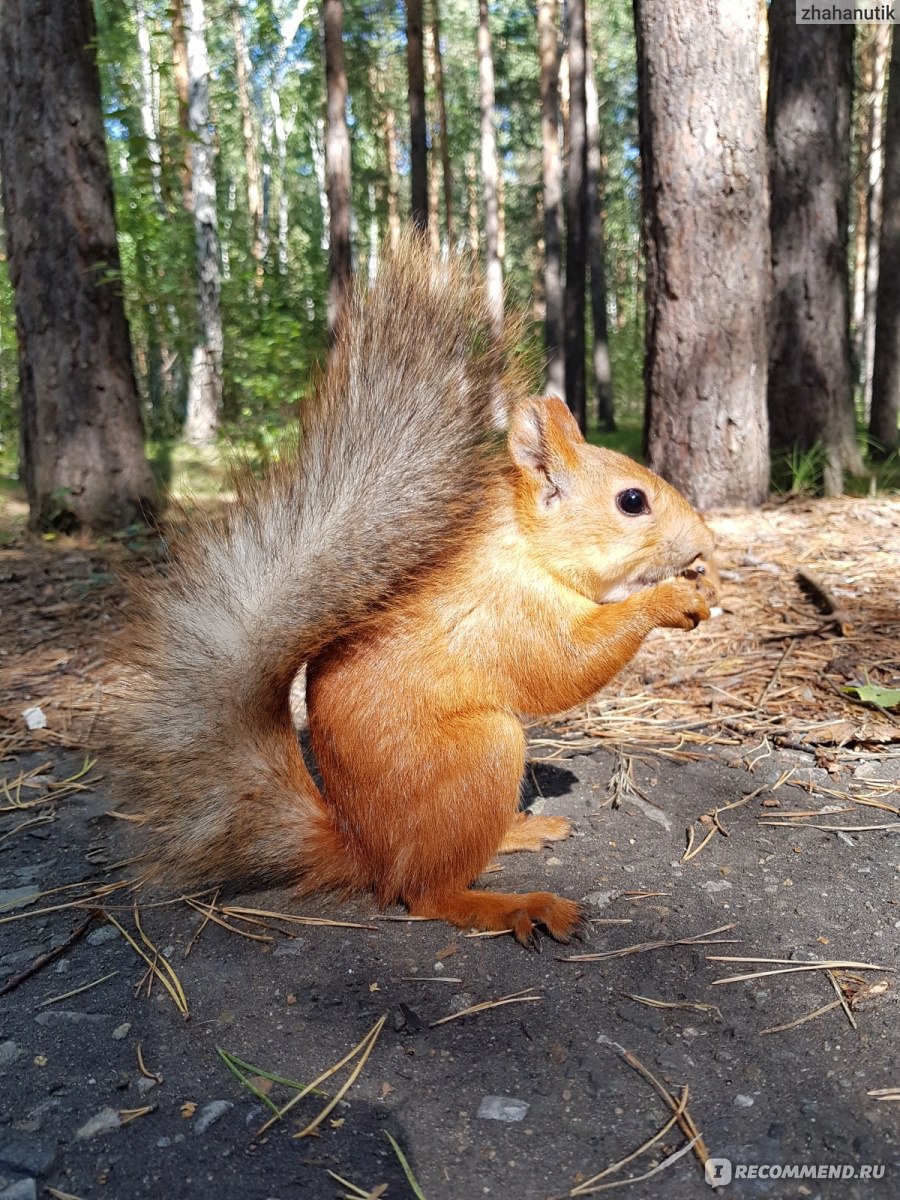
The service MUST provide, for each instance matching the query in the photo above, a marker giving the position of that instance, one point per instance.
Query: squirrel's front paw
(680, 603)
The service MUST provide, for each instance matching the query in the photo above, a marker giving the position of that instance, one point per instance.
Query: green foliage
(800, 472)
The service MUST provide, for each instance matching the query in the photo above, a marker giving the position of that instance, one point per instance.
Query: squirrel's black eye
(632, 502)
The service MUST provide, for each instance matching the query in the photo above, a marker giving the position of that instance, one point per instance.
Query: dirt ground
(730, 801)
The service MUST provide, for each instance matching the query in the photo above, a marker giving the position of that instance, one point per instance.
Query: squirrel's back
(397, 451)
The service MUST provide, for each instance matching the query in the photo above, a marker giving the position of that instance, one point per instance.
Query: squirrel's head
(601, 523)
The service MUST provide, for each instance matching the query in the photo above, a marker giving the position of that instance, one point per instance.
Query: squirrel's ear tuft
(543, 442)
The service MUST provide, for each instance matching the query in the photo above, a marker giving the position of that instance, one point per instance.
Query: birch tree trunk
(82, 454)
(548, 47)
(337, 162)
(204, 405)
(886, 372)
(576, 231)
(489, 170)
(706, 233)
(808, 125)
(248, 132)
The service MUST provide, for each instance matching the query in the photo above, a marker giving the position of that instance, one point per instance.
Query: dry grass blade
(697, 939)
(58, 1195)
(522, 997)
(685, 1120)
(691, 851)
(209, 911)
(237, 911)
(792, 968)
(85, 987)
(88, 900)
(173, 985)
(810, 1016)
(142, 1066)
(356, 1192)
(692, 1005)
(369, 1043)
(127, 1115)
(888, 1093)
(842, 999)
(586, 1187)
(666, 1162)
(894, 825)
(203, 924)
(407, 1169)
(161, 959)
(309, 1087)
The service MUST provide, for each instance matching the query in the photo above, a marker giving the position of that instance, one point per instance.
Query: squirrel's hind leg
(519, 912)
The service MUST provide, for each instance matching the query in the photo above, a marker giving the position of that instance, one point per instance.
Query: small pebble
(106, 933)
(743, 1101)
(104, 1121)
(210, 1113)
(502, 1108)
(24, 1189)
(121, 1031)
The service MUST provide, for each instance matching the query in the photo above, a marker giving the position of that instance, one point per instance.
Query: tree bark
(548, 48)
(602, 367)
(182, 90)
(707, 248)
(204, 405)
(489, 169)
(418, 144)
(443, 128)
(337, 163)
(576, 213)
(248, 131)
(393, 182)
(808, 126)
(874, 202)
(82, 449)
(886, 372)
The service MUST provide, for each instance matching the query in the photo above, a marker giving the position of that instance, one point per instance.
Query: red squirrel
(438, 580)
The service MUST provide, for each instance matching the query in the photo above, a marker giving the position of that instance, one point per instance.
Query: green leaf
(869, 693)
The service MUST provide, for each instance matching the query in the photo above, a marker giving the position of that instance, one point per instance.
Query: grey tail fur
(397, 454)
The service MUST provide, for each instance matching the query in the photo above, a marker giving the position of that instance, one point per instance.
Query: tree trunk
(337, 162)
(82, 449)
(707, 248)
(148, 112)
(418, 145)
(204, 404)
(182, 89)
(548, 46)
(434, 183)
(602, 368)
(874, 200)
(886, 373)
(248, 131)
(472, 206)
(443, 128)
(489, 170)
(862, 140)
(393, 182)
(576, 212)
(808, 126)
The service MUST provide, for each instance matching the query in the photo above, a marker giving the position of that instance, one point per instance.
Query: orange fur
(414, 720)
(437, 584)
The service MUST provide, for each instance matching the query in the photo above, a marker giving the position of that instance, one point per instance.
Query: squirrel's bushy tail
(397, 451)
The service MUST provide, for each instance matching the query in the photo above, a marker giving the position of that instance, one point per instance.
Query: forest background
(217, 122)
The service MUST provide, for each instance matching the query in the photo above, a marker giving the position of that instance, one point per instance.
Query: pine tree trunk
(602, 368)
(862, 140)
(886, 372)
(182, 89)
(443, 128)
(434, 182)
(82, 448)
(548, 46)
(248, 131)
(204, 405)
(489, 169)
(707, 248)
(472, 205)
(337, 162)
(576, 213)
(808, 126)
(418, 144)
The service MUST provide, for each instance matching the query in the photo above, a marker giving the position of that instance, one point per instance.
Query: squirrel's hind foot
(522, 913)
(533, 833)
